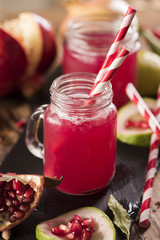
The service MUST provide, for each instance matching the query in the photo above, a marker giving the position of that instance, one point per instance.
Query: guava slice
(104, 228)
(133, 136)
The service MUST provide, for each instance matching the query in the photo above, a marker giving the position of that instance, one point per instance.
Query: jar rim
(62, 91)
(79, 28)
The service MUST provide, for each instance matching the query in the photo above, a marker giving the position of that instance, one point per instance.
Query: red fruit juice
(82, 149)
(90, 57)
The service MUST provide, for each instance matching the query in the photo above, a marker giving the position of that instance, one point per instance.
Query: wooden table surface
(13, 113)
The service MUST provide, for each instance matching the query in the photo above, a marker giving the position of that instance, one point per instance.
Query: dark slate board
(127, 185)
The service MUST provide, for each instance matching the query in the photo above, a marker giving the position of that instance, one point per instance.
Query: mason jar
(79, 134)
(86, 43)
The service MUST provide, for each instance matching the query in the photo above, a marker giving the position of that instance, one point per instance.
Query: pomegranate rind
(104, 228)
(36, 182)
(133, 136)
(12, 65)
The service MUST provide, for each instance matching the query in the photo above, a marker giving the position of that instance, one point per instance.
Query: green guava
(103, 228)
(132, 135)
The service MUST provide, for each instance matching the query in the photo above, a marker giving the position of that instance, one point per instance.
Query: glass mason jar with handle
(79, 134)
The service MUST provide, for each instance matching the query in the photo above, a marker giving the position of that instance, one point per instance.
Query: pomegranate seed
(21, 190)
(15, 202)
(63, 227)
(12, 218)
(24, 207)
(68, 229)
(16, 184)
(86, 234)
(144, 124)
(71, 235)
(1, 191)
(21, 123)
(11, 209)
(88, 223)
(76, 218)
(8, 202)
(137, 124)
(129, 123)
(28, 200)
(3, 209)
(59, 232)
(76, 228)
(2, 183)
(8, 186)
(12, 194)
(29, 192)
(18, 214)
(1, 201)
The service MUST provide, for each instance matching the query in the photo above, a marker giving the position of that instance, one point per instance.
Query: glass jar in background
(79, 135)
(86, 44)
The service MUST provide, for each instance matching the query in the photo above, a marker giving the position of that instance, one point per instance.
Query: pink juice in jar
(80, 142)
(86, 45)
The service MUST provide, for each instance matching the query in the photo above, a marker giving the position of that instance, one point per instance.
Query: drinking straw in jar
(100, 85)
(121, 33)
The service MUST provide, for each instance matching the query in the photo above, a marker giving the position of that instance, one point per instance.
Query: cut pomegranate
(76, 228)
(19, 195)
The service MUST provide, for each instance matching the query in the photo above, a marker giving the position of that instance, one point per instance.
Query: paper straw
(100, 85)
(113, 51)
(135, 97)
(151, 170)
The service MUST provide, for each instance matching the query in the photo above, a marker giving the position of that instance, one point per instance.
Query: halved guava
(132, 135)
(103, 226)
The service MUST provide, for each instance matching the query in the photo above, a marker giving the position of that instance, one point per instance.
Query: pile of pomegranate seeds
(141, 123)
(76, 229)
(15, 198)
(136, 124)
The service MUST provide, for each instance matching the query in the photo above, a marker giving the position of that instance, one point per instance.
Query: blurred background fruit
(148, 72)
(35, 37)
(132, 127)
(151, 36)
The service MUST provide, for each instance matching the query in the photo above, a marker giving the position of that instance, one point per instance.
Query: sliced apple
(13, 63)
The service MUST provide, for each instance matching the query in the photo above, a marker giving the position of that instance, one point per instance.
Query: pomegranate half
(19, 195)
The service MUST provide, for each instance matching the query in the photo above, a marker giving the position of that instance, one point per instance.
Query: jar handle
(31, 138)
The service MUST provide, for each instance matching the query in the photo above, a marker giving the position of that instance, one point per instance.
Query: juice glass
(79, 136)
(86, 44)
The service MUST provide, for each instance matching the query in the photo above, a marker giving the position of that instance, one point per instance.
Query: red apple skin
(13, 63)
(49, 43)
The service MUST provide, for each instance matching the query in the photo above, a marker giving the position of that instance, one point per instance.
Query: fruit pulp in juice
(82, 150)
(76, 61)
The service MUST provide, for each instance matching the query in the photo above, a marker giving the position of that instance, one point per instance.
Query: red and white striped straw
(113, 51)
(143, 108)
(100, 85)
(151, 170)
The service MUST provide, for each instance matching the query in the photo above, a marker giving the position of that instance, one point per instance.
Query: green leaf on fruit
(121, 217)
